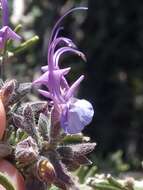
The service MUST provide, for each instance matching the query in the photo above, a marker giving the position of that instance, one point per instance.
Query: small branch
(5, 182)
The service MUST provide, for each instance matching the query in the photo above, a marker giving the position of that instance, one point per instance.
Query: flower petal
(77, 116)
(7, 33)
(74, 86)
(5, 12)
(45, 93)
(43, 79)
(45, 68)
(12, 35)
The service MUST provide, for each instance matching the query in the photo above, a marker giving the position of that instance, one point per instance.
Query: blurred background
(110, 34)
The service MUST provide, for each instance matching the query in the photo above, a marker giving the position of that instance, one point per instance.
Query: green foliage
(85, 172)
(117, 162)
(91, 180)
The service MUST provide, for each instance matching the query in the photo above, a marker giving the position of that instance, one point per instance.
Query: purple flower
(6, 32)
(75, 114)
(5, 12)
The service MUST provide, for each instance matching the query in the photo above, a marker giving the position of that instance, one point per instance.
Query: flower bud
(26, 151)
(45, 170)
(5, 149)
(7, 92)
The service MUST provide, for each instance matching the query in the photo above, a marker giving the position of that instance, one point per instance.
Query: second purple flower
(6, 32)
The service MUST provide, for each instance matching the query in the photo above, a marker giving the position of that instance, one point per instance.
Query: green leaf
(101, 186)
(26, 45)
(115, 183)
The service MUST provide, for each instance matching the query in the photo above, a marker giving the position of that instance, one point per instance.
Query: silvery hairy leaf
(5, 149)
(44, 124)
(37, 107)
(26, 151)
(29, 123)
(8, 92)
(63, 180)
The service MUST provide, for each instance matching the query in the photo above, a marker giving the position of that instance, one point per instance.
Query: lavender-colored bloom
(6, 32)
(5, 12)
(75, 114)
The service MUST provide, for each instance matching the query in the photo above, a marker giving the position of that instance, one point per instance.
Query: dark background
(110, 33)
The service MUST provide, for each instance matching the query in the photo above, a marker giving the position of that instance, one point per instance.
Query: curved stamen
(58, 40)
(63, 50)
(61, 19)
(53, 46)
(57, 32)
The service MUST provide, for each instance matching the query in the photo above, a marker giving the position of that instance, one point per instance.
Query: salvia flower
(74, 113)
(6, 32)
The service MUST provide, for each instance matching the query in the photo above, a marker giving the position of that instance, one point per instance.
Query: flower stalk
(5, 182)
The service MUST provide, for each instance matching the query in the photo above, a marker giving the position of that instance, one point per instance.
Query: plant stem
(5, 182)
